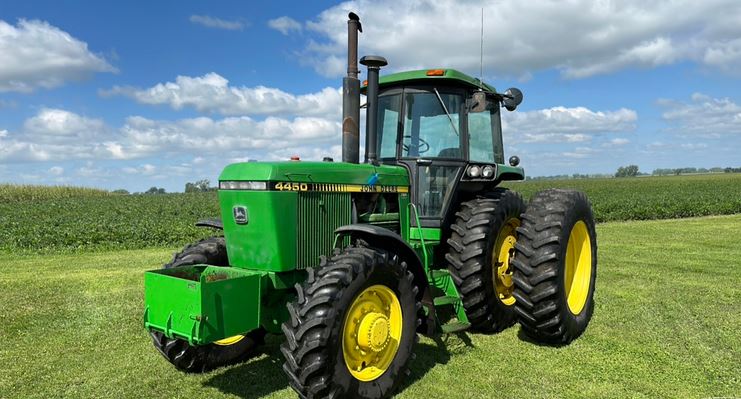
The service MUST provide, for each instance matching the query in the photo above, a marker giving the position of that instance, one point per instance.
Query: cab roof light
(435, 72)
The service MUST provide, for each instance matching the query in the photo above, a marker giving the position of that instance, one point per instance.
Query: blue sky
(139, 94)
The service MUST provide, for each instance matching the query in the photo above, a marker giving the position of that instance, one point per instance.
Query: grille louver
(319, 214)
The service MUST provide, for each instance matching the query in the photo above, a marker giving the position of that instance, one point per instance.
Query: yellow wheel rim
(371, 332)
(230, 340)
(504, 249)
(578, 273)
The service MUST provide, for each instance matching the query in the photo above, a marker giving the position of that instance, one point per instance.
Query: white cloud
(580, 38)
(56, 170)
(58, 135)
(145, 169)
(217, 23)
(212, 93)
(580, 153)
(616, 142)
(285, 25)
(619, 141)
(142, 137)
(90, 171)
(36, 54)
(561, 124)
(694, 146)
(56, 126)
(703, 116)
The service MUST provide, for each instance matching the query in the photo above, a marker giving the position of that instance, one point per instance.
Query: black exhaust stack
(351, 95)
(374, 64)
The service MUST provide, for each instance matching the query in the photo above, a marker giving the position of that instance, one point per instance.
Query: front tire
(353, 326)
(556, 266)
(196, 359)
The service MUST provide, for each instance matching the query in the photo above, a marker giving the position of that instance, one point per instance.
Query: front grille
(319, 214)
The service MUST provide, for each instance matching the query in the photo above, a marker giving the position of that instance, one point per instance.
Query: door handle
(424, 162)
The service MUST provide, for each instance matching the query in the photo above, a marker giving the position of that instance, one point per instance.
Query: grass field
(58, 219)
(666, 324)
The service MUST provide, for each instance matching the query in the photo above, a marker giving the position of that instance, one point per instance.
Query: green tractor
(350, 261)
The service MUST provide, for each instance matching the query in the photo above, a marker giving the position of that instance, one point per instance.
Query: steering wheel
(422, 147)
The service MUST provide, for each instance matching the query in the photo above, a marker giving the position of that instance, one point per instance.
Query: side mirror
(478, 102)
(512, 98)
(514, 160)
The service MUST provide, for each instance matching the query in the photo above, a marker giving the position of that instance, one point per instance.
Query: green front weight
(202, 304)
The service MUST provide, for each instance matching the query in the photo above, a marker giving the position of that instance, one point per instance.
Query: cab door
(433, 147)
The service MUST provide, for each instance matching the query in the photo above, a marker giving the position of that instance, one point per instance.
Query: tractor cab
(445, 128)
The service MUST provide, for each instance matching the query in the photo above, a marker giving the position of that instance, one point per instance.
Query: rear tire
(556, 266)
(480, 248)
(325, 335)
(195, 359)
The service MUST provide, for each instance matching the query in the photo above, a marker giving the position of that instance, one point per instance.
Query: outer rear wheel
(353, 326)
(211, 251)
(556, 266)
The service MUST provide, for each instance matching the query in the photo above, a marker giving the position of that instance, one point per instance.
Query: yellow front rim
(230, 340)
(578, 267)
(504, 248)
(372, 332)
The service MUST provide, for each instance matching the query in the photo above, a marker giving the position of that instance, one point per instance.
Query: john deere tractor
(350, 261)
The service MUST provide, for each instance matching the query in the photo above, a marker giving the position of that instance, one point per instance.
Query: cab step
(439, 273)
(454, 327)
(446, 300)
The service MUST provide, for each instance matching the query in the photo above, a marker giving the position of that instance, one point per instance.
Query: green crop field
(53, 219)
(666, 324)
(644, 198)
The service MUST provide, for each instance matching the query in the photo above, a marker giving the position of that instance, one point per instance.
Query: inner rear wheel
(504, 250)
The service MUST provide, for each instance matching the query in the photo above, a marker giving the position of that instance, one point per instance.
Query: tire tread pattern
(540, 304)
(308, 352)
(467, 257)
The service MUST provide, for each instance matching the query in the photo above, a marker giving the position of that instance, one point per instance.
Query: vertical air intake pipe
(351, 95)
(374, 64)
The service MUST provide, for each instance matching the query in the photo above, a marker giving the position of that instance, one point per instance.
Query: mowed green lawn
(667, 324)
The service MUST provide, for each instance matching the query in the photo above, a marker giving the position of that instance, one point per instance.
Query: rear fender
(214, 223)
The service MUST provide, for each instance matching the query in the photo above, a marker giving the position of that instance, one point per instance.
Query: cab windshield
(428, 131)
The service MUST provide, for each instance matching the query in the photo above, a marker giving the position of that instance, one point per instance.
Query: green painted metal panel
(268, 240)
(319, 214)
(506, 172)
(450, 75)
(201, 303)
(316, 172)
(428, 233)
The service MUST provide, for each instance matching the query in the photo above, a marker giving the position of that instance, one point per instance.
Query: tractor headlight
(488, 171)
(474, 171)
(242, 185)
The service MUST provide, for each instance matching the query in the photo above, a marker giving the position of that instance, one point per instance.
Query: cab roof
(424, 76)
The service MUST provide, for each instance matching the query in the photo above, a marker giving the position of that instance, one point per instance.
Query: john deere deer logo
(240, 215)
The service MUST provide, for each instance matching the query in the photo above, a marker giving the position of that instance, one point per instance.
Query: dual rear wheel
(534, 264)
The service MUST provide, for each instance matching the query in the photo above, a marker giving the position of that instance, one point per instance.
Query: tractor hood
(317, 172)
